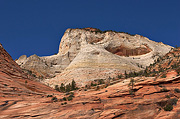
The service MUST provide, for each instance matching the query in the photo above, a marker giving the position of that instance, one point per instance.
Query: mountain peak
(99, 53)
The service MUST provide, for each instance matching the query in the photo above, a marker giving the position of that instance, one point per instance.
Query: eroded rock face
(19, 93)
(14, 81)
(21, 99)
(113, 102)
(87, 54)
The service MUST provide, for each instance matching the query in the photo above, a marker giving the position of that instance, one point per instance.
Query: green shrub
(62, 88)
(101, 81)
(72, 95)
(168, 107)
(49, 95)
(167, 96)
(92, 84)
(173, 101)
(163, 76)
(64, 99)
(176, 90)
(119, 76)
(131, 92)
(57, 87)
(164, 90)
(73, 85)
(54, 99)
(69, 98)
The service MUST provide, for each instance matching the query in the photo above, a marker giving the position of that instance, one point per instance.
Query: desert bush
(101, 81)
(164, 90)
(64, 99)
(119, 76)
(176, 90)
(131, 92)
(92, 84)
(163, 76)
(54, 99)
(49, 95)
(57, 87)
(69, 98)
(168, 107)
(173, 101)
(167, 96)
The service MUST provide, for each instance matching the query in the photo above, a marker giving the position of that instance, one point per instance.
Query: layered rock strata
(87, 54)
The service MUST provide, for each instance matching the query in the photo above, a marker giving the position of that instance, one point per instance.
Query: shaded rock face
(18, 92)
(86, 54)
(13, 80)
(125, 51)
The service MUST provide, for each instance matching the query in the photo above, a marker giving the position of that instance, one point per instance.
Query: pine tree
(73, 85)
(62, 88)
(126, 76)
(68, 87)
(57, 87)
(132, 81)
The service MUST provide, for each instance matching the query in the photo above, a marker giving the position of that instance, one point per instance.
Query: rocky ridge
(170, 61)
(87, 54)
(17, 89)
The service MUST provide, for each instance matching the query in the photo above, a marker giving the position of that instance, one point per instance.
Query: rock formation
(88, 54)
(14, 81)
(21, 97)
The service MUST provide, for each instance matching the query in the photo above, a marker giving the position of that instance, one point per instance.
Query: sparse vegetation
(54, 99)
(177, 90)
(164, 90)
(67, 88)
(170, 103)
(163, 76)
(120, 76)
(131, 84)
(167, 96)
(92, 84)
(69, 98)
(64, 99)
(101, 81)
(168, 107)
(49, 95)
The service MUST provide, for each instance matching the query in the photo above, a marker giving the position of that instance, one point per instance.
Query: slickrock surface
(28, 100)
(17, 91)
(87, 54)
(113, 102)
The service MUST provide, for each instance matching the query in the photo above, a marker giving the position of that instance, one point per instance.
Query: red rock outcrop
(21, 97)
(17, 89)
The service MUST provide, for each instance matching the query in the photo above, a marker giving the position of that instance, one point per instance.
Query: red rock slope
(16, 89)
(29, 100)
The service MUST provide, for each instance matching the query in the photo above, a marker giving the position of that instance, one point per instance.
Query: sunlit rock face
(88, 54)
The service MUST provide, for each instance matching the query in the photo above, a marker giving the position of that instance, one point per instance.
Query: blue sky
(36, 26)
